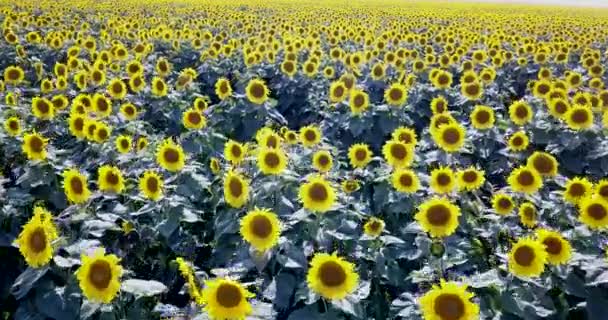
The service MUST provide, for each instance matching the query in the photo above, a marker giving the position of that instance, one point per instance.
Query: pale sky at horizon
(585, 3)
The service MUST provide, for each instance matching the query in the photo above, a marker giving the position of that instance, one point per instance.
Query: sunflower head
(322, 161)
(439, 105)
(223, 89)
(151, 185)
(503, 203)
(117, 89)
(123, 144)
(170, 156)
(12, 126)
(405, 180)
(13, 75)
(271, 161)
(472, 91)
(226, 299)
(579, 117)
(310, 135)
(576, 189)
(528, 214)
(438, 217)
(518, 141)
(337, 92)
(193, 119)
(110, 179)
(398, 154)
(482, 117)
(236, 189)
(373, 227)
(75, 186)
(520, 112)
(36, 238)
(470, 179)
(557, 247)
(593, 212)
(406, 135)
(261, 228)
(99, 276)
(331, 276)
(235, 152)
(159, 87)
(257, 92)
(543, 163)
(443, 180)
(43, 108)
(358, 102)
(601, 189)
(214, 165)
(350, 185)
(359, 155)
(34, 146)
(448, 301)
(527, 258)
(395, 95)
(102, 105)
(525, 179)
(450, 137)
(317, 194)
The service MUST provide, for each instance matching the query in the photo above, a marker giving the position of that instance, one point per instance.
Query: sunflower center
(112, 178)
(100, 274)
(257, 90)
(13, 125)
(323, 160)
(288, 67)
(318, 192)
(310, 135)
(440, 106)
(339, 91)
(194, 118)
(228, 295)
(37, 240)
(43, 107)
(543, 164)
(374, 225)
(102, 105)
(553, 245)
(395, 94)
(603, 191)
(13, 74)
(524, 256)
(543, 89)
(360, 155)
(36, 144)
(77, 185)
(332, 274)
(521, 112)
(117, 87)
(261, 227)
(171, 155)
(405, 137)
(406, 180)
(472, 89)
(469, 176)
(529, 213)
(443, 179)
(597, 211)
(517, 141)
(236, 187)
(124, 143)
(525, 178)
(504, 203)
(451, 135)
(272, 159)
(438, 215)
(443, 79)
(449, 306)
(398, 151)
(223, 87)
(102, 133)
(358, 101)
(378, 71)
(271, 142)
(137, 81)
(482, 116)
(577, 190)
(580, 116)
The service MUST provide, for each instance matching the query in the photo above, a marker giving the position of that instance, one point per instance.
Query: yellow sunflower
(137, 83)
(99, 276)
(593, 212)
(470, 179)
(261, 228)
(448, 301)
(117, 89)
(359, 155)
(102, 132)
(13, 75)
(322, 160)
(291, 137)
(373, 227)
(34, 146)
(12, 126)
(35, 241)
(559, 107)
(109, 178)
(528, 215)
(102, 105)
(170, 156)
(398, 154)
(76, 124)
(405, 180)
(43, 108)
(525, 179)
(151, 185)
(520, 112)
(527, 258)
(358, 102)
(450, 137)
(310, 135)
(337, 91)
(544, 163)
(482, 117)
(601, 189)
(223, 90)
(75, 186)
(579, 117)
(257, 92)
(438, 217)
(271, 161)
(226, 299)
(159, 87)
(395, 95)
(405, 135)
(443, 180)
(193, 119)
(123, 144)
(236, 189)
(472, 91)
(317, 194)
(557, 247)
(235, 152)
(442, 80)
(439, 105)
(518, 141)
(350, 185)
(142, 143)
(503, 203)
(214, 165)
(331, 276)
(576, 189)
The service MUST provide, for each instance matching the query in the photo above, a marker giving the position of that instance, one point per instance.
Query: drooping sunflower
(75, 186)
(35, 241)
(257, 92)
(102, 105)
(226, 299)
(525, 179)
(214, 165)
(193, 119)
(331, 276)
(472, 91)
(109, 178)
(261, 228)
(223, 89)
(42, 108)
(170, 156)
(271, 160)
(482, 117)
(359, 155)
(337, 92)
(439, 105)
(310, 135)
(142, 143)
(12, 126)
(448, 301)
(151, 185)
(518, 141)
(593, 212)
(576, 189)
(442, 180)
(503, 203)
(235, 152)
(527, 258)
(117, 89)
(557, 247)
(373, 227)
(358, 102)
(450, 137)
(398, 154)
(438, 217)
(528, 215)
(34, 146)
(405, 181)
(159, 87)
(395, 95)
(579, 117)
(99, 276)
(317, 194)
(405, 135)
(123, 144)
(520, 112)
(470, 179)
(544, 163)
(322, 160)
(236, 189)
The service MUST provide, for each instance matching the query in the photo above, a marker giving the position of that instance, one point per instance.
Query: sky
(586, 3)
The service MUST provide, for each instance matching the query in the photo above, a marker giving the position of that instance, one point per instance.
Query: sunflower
(395, 94)
(544, 163)
(123, 144)
(99, 276)
(438, 217)
(373, 227)
(574, 79)
(90, 126)
(472, 90)
(12, 126)
(322, 160)
(163, 67)
(443, 180)
(34, 146)
(398, 154)
(46, 86)
(448, 301)
(405, 135)
(541, 88)
(42, 108)
(257, 92)
(503, 203)
(442, 80)
(525, 179)
(337, 92)
(270, 140)
(75, 186)
(289, 68)
(159, 87)
(528, 215)
(576, 189)
(151, 185)
(291, 137)
(141, 144)
(470, 179)
(350, 185)
(236, 189)
(226, 299)
(76, 123)
(378, 71)
(98, 76)
(261, 228)
(109, 178)
(358, 102)
(579, 117)
(13, 75)
(557, 247)
(310, 135)
(482, 117)
(223, 89)
(235, 152)
(214, 165)
(102, 105)
(170, 156)
(405, 181)
(36, 238)
(134, 67)
(518, 141)
(271, 160)
(520, 112)
(439, 105)
(117, 89)
(601, 189)
(450, 137)
(317, 194)
(193, 119)
(11, 98)
(60, 102)
(102, 132)
(527, 258)
(331, 276)
(359, 155)
(137, 83)
(201, 103)
(593, 212)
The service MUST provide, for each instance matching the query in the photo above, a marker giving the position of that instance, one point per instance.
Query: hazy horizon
(578, 3)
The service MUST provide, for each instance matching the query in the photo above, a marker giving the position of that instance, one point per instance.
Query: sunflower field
(282, 159)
